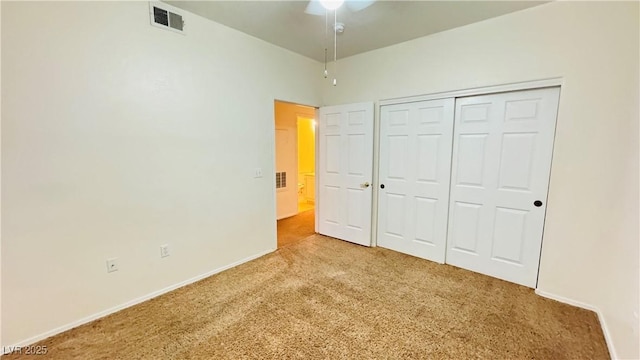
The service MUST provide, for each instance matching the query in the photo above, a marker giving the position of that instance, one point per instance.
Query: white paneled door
(345, 164)
(415, 165)
(502, 152)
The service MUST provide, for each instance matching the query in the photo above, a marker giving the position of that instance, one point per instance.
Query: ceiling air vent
(163, 18)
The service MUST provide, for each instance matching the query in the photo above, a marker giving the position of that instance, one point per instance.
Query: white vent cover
(163, 18)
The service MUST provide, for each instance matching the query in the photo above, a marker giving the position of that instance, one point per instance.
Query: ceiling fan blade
(315, 8)
(357, 5)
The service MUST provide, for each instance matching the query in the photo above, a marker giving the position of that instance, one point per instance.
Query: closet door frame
(485, 90)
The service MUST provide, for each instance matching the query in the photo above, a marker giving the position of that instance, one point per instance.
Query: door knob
(537, 203)
(381, 186)
(365, 185)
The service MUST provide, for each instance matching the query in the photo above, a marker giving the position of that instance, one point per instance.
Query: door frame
(273, 163)
(317, 204)
(484, 90)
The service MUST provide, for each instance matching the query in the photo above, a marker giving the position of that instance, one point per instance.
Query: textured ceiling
(284, 23)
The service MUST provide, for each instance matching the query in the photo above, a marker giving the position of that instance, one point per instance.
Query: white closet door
(500, 175)
(345, 156)
(415, 159)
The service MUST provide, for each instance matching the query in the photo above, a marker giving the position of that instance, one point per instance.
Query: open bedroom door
(345, 172)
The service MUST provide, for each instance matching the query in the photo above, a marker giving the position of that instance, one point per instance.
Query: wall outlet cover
(112, 265)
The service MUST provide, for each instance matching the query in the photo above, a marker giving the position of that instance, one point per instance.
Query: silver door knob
(365, 185)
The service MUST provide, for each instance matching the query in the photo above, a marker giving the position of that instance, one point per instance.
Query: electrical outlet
(112, 265)
(164, 250)
(257, 173)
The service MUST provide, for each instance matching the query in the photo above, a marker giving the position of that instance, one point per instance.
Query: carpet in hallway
(296, 228)
(322, 298)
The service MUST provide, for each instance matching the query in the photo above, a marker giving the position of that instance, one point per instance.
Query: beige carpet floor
(322, 298)
(296, 228)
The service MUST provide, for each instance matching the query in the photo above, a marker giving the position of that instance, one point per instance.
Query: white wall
(306, 159)
(118, 137)
(590, 249)
(0, 179)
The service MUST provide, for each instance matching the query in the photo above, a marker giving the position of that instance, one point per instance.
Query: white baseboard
(58, 330)
(603, 323)
(287, 215)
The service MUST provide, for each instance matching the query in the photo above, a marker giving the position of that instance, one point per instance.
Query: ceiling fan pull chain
(326, 73)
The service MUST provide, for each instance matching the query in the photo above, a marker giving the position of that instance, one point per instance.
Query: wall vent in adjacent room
(163, 18)
(281, 180)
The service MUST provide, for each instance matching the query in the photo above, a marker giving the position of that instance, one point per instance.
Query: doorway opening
(295, 171)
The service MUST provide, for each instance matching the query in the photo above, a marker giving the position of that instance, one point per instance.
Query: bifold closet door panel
(502, 152)
(415, 159)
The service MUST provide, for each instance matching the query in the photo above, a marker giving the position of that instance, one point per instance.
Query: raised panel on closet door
(500, 168)
(415, 159)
